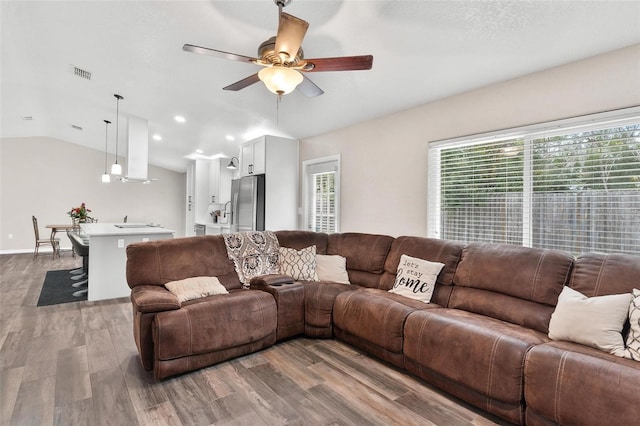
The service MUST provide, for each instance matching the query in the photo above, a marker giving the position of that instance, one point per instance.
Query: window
(572, 185)
(321, 181)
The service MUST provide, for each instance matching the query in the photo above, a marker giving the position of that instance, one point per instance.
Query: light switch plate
(120, 243)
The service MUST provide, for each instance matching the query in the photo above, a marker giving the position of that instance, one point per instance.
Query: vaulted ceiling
(423, 51)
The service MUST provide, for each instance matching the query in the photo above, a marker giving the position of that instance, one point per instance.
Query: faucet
(225, 207)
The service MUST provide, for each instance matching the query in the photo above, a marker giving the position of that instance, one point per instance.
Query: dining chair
(54, 243)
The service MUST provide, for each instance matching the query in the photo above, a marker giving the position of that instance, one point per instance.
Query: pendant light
(116, 169)
(106, 177)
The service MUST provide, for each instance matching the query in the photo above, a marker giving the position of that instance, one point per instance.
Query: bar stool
(82, 250)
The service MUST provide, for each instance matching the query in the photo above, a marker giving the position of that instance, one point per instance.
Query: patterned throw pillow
(253, 253)
(633, 339)
(416, 278)
(298, 264)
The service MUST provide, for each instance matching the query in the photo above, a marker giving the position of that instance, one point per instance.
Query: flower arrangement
(81, 214)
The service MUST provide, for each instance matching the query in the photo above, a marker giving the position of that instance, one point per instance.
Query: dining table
(54, 230)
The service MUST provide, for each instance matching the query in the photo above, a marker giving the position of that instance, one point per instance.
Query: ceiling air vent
(82, 73)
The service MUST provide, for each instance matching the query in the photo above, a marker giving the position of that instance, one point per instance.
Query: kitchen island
(108, 257)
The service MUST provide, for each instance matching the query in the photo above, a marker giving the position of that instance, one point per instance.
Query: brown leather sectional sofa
(483, 338)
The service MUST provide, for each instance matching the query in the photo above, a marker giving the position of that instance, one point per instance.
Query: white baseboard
(30, 250)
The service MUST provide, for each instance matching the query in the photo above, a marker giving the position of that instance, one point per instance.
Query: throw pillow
(416, 278)
(332, 268)
(591, 321)
(633, 339)
(298, 264)
(195, 288)
(253, 253)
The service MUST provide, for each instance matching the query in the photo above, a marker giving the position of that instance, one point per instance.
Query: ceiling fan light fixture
(280, 80)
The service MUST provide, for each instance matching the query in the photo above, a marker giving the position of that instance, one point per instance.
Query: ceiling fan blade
(309, 88)
(291, 31)
(343, 63)
(245, 82)
(217, 53)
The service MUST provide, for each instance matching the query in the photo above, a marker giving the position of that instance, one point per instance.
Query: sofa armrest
(153, 298)
(259, 283)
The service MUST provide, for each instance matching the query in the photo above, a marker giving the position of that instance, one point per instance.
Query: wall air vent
(82, 73)
(27, 118)
(76, 127)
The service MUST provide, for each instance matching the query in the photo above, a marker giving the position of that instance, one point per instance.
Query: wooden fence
(606, 221)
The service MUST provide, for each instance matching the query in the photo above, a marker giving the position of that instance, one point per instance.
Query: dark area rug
(58, 288)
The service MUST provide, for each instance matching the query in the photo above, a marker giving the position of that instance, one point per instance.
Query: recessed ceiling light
(199, 151)
(180, 119)
(157, 137)
(229, 138)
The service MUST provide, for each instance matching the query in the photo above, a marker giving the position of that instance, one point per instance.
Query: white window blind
(565, 185)
(322, 194)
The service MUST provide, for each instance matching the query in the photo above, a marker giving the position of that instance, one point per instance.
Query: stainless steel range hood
(137, 151)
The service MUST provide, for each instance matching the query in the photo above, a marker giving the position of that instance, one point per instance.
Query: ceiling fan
(283, 59)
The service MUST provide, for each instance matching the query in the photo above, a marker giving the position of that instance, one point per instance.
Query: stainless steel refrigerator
(247, 204)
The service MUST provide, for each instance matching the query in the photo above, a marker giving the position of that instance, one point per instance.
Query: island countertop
(114, 229)
(108, 258)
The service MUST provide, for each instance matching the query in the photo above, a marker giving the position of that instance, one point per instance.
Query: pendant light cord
(106, 143)
(118, 97)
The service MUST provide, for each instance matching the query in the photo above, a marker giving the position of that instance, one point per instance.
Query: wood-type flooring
(77, 364)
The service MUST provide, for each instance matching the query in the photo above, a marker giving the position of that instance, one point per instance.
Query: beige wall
(46, 177)
(384, 161)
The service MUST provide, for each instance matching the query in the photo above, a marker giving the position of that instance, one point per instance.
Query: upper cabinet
(253, 156)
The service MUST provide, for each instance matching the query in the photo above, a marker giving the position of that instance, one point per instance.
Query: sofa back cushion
(365, 254)
(512, 283)
(303, 239)
(158, 262)
(431, 249)
(597, 274)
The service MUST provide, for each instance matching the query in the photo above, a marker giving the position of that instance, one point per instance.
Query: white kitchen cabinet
(219, 181)
(253, 156)
(190, 215)
(201, 191)
(214, 181)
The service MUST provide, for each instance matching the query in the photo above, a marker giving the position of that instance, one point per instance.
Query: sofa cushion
(416, 278)
(434, 250)
(373, 320)
(516, 284)
(477, 358)
(569, 383)
(332, 268)
(301, 239)
(195, 288)
(365, 254)
(298, 264)
(214, 324)
(597, 274)
(319, 298)
(593, 321)
(158, 262)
